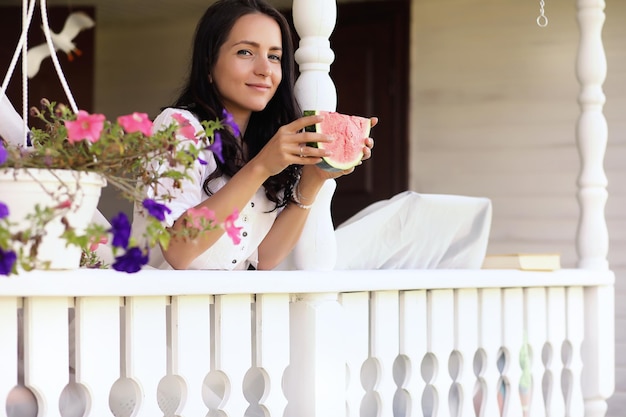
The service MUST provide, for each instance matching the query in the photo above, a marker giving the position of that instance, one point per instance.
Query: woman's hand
(288, 147)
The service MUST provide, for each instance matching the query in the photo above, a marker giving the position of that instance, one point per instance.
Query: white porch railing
(353, 343)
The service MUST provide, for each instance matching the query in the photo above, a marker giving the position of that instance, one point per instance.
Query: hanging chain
(542, 20)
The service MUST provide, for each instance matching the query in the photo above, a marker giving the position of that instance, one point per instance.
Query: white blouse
(256, 218)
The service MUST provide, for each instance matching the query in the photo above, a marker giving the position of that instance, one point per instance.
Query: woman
(243, 63)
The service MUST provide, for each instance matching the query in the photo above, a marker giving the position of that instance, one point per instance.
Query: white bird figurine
(75, 23)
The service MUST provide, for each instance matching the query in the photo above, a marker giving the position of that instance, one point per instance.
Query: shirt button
(244, 234)
(252, 204)
(234, 261)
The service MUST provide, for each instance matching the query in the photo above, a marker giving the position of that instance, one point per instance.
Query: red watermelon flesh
(349, 133)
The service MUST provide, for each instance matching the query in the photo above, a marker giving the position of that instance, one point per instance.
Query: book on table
(523, 261)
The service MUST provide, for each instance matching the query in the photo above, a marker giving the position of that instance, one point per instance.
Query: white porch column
(314, 21)
(318, 361)
(592, 239)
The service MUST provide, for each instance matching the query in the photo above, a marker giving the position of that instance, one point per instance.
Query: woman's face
(248, 68)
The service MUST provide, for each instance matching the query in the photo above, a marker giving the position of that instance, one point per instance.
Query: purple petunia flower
(120, 227)
(4, 210)
(156, 210)
(230, 121)
(7, 261)
(216, 147)
(131, 261)
(4, 154)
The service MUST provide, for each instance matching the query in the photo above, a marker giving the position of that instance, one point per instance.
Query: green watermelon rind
(328, 164)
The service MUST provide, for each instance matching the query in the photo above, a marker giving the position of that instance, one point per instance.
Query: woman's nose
(263, 67)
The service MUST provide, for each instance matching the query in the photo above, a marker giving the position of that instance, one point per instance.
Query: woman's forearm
(282, 237)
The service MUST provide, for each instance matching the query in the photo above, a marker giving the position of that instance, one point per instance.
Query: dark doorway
(370, 72)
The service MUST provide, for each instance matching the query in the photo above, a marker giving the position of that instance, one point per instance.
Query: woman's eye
(275, 57)
(244, 52)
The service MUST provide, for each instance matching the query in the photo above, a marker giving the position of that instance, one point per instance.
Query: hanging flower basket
(49, 190)
(70, 199)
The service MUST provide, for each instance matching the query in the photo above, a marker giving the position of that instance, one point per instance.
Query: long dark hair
(202, 98)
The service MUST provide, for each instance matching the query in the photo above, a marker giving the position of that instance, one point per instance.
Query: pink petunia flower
(86, 126)
(94, 245)
(136, 122)
(198, 214)
(65, 204)
(231, 230)
(185, 128)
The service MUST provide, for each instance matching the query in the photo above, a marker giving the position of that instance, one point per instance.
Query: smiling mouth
(259, 86)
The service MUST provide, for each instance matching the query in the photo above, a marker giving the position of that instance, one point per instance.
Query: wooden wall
(494, 113)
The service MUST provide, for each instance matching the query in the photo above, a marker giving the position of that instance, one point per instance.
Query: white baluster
(536, 330)
(385, 328)
(440, 343)
(413, 344)
(356, 336)
(8, 348)
(318, 358)
(555, 405)
(574, 406)
(272, 347)
(598, 374)
(466, 343)
(46, 347)
(191, 348)
(146, 356)
(592, 239)
(490, 335)
(97, 327)
(233, 347)
(512, 340)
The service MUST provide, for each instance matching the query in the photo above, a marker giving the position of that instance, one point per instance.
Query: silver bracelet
(296, 197)
(302, 206)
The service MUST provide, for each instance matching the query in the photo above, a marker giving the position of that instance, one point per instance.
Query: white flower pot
(22, 189)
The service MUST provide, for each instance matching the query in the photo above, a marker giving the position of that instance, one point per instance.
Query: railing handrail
(87, 282)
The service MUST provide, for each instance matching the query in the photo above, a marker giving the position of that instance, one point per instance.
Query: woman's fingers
(299, 124)
(308, 155)
(369, 142)
(367, 149)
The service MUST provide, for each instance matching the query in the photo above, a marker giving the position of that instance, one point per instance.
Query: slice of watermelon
(349, 132)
